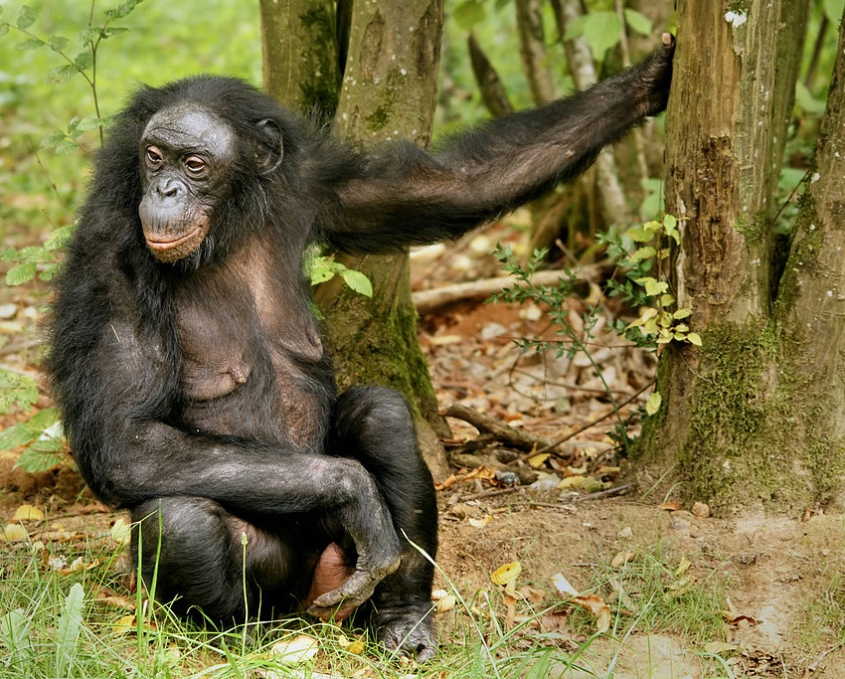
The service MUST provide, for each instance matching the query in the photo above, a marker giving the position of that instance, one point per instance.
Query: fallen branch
(428, 300)
(515, 438)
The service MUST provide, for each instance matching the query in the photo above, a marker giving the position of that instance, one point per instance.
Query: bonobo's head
(188, 157)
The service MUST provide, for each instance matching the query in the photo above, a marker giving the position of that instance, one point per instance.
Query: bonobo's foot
(655, 73)
(355, 590)
(408, 630)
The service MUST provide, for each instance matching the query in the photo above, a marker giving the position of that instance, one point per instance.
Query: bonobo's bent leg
(374, 426)
(197, 550)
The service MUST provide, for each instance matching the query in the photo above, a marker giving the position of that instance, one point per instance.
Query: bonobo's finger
(668, 40)
(357, 588)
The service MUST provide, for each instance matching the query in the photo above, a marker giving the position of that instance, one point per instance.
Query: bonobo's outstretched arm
(405, 195)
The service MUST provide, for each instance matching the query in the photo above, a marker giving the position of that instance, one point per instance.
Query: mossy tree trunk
(756, 415)
(388, 91)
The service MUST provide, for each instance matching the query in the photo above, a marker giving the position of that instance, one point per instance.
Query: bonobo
(188, 362)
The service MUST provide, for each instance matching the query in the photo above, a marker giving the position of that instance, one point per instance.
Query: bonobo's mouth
(171, 250)
(161, 244)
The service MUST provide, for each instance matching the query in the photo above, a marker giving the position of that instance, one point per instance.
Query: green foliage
(16, 391)
(569, 340)
(322, 268)
(603, 29)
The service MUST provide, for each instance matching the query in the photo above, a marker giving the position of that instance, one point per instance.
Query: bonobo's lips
(161, 244)
(171, 250)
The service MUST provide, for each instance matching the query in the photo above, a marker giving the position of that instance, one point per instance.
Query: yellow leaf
(13, 533)
(538, 460)
(683, 567)
(654, 402)
(446, 603)
(694, 338)
(507, 573)
(125, 625)
(28, 513)
(121, 532)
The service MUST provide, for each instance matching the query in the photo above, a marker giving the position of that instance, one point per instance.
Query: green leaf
(16, 390)
(83, 60)
(655, 400)
(58, 43)
(15, 636)
(70, 624)
(639, 235)
(834, 9)
(29, 45)
(806, 101)
(18, 435)
(643, 253)
(321, 274)
(638, 22)
(468, 14)
(357, 282)
(63, 73)
(34, 461)
(20, 274)
(602, 31)
(694, 338)
(670, 222)
(26, 17)
(667, 300)
(682, 313)
(4, 28)
(122, 10)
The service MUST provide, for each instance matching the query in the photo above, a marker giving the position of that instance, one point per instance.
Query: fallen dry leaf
(622, 558)
(14, 532)
(296, 650)
(597, 607)
(671, 506)
(28, 513)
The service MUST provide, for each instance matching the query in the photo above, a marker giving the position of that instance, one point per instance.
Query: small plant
(566, 340)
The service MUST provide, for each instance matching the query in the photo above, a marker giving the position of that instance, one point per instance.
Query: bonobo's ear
(270, 147)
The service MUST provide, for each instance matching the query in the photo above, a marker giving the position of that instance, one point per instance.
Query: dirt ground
(771, 568)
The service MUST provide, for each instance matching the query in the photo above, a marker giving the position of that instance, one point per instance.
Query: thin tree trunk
(300, 54)
(579, 56)
(532, 49)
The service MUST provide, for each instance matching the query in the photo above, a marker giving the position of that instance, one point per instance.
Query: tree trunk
(388, 54)
(737, 422)
(300, 54)
(389, 91)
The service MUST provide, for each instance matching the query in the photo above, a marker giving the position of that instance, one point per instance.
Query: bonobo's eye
(195, 166)
(153, 157)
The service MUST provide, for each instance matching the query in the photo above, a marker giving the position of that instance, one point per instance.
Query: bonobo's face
(187, 156)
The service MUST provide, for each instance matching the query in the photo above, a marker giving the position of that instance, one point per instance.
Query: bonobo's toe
(408, 631)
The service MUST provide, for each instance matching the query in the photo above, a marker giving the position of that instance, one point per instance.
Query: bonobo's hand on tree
(188, 362)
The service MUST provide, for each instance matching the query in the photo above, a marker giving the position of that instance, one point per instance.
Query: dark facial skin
(187, 155)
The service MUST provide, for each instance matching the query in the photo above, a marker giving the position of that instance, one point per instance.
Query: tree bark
(730, 429)
(532, 49)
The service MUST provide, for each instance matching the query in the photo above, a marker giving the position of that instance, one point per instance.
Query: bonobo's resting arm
(412, 196)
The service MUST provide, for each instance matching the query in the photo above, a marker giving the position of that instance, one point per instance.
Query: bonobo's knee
(375, 415)
(187, 542)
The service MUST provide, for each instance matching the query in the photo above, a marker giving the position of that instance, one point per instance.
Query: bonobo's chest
(252, 359)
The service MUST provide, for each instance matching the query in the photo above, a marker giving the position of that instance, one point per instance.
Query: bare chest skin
(249, 356)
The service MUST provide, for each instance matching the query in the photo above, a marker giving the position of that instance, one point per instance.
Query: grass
(66, 610)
